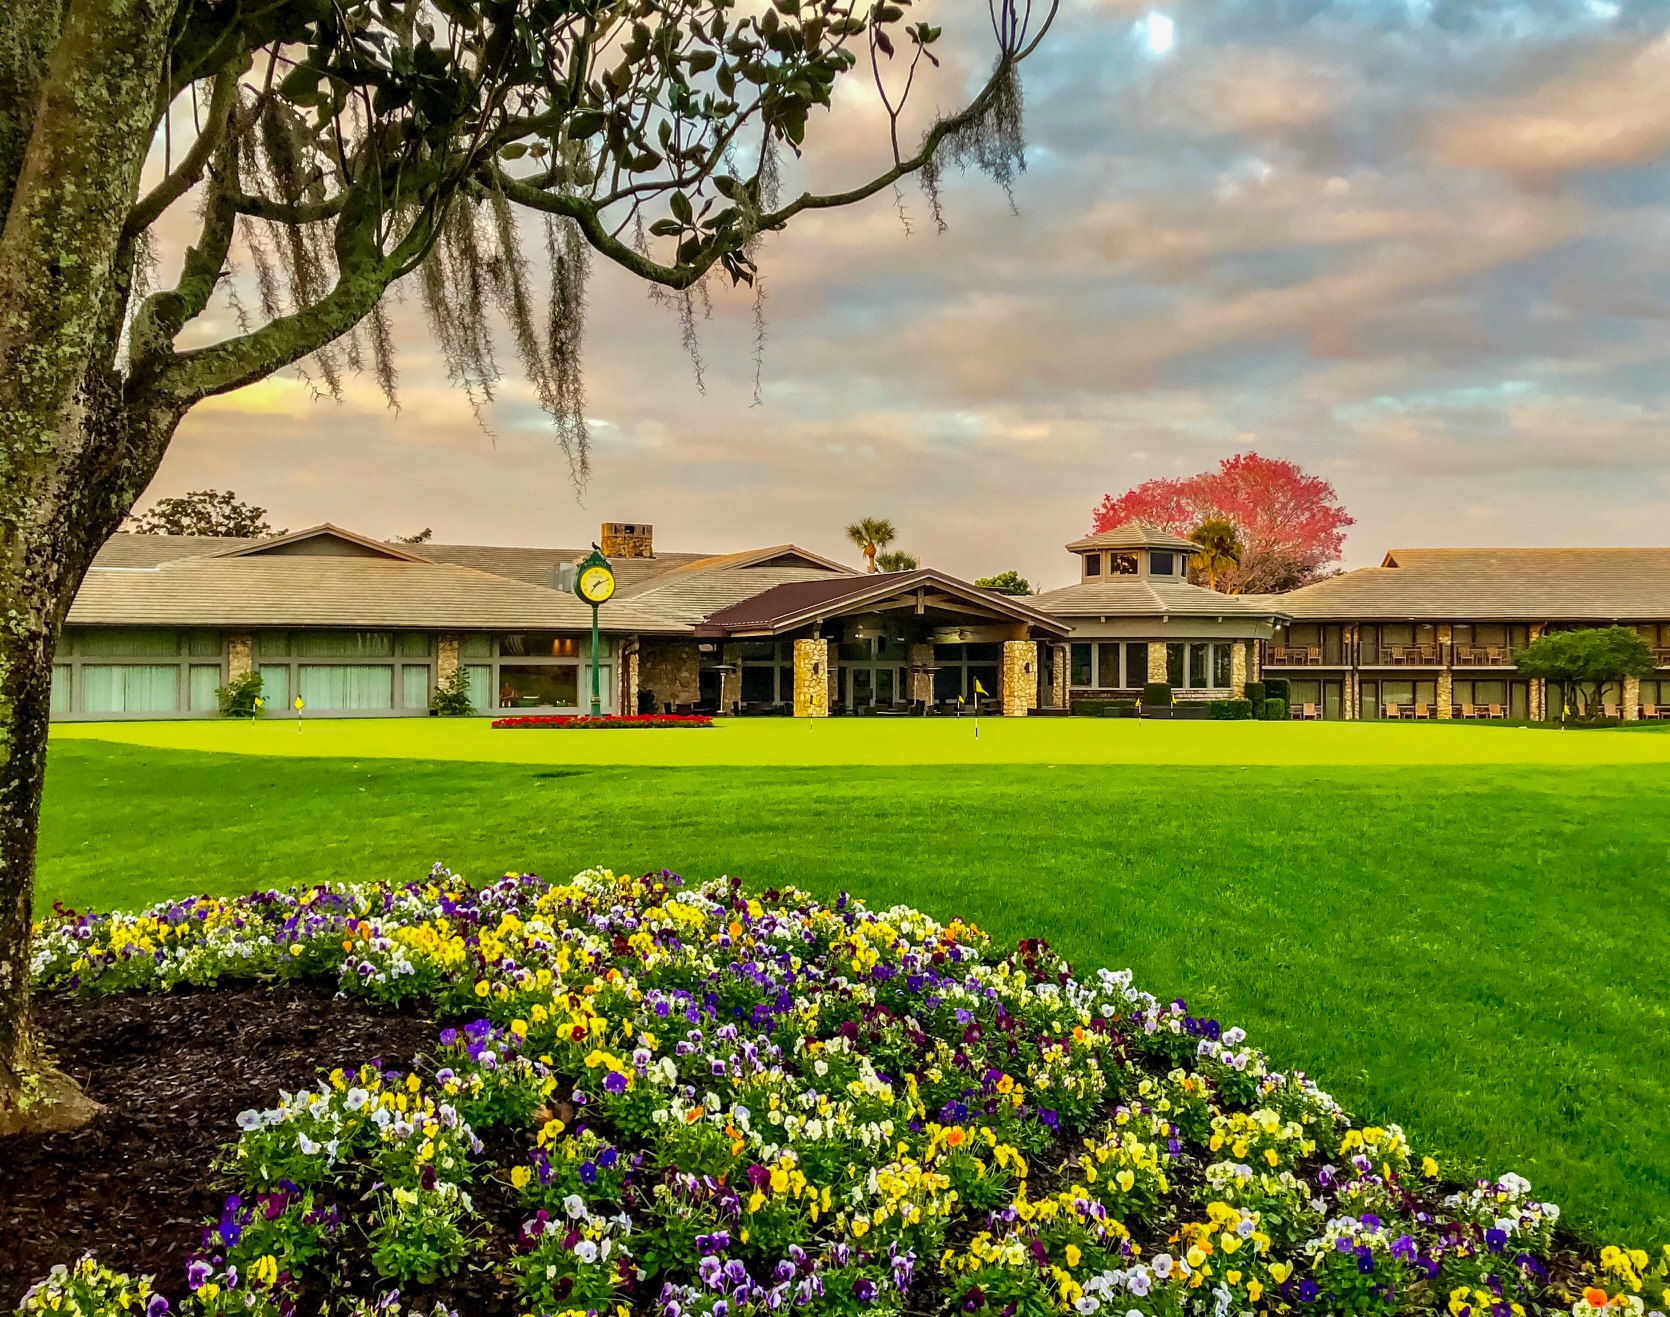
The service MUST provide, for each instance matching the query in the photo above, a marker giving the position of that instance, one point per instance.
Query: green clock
(595, 583)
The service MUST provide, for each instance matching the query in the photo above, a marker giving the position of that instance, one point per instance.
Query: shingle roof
(793, 603)
(289, 591)
(1496, 585)
(1134, 535)
(1134, 596)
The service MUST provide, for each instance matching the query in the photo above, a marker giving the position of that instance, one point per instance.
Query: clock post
(595, 584)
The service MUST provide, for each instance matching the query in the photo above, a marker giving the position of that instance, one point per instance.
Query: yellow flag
(298, 703)
(978, 688)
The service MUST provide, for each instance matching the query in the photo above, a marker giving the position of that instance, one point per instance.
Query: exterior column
(1353, 695)
(240, 655)
(1156, 660)
(1255, 660)
(1446, 693)
(1062, 660)
(1537, 697)
(1238, 669)
(446, 658)
(811, 678)
(730, 683)
(629, 680)
(1018, 678)
(1632, 699)
(921, 683)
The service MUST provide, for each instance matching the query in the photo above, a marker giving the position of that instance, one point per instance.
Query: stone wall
(921, 681)
(811, 678)
(446, 659)
(1238, 669)
(730, 683)
(1018, 678)
(1632, 699)
(1062, 691)
(628, 672)
(1156, 660)
(670, 668)
(240, 655)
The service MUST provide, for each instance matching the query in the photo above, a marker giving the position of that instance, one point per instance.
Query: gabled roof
(795, 604)
(323, 532)
(1133, 535)
(1497, 585)
(1135, 596)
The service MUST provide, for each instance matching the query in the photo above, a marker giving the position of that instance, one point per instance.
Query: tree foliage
(1582, 664)
(1220, 552)
(897, 560)
(1291, 524)
(1006, 582)
(203, 512)
(870, 536)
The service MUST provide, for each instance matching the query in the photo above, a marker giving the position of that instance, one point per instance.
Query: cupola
(1133, 549)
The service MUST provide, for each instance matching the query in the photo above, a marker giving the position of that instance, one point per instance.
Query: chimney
(628, 539)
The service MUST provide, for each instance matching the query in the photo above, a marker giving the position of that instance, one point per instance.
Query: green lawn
(1459, 927)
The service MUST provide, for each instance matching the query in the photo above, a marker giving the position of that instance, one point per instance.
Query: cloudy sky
(1422, 247)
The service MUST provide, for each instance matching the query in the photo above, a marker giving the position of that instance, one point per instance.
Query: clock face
(597, 584)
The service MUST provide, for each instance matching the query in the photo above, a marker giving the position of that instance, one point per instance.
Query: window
(1220, 666)
(759, 685)
(1162, 562)
(1092, 564)
(204, 682)
(60, 688)
(348, 687)
(1136, 663)
(272, 644)
(1107, 660)
(128, 642)
(475, 645)
(1122, 564)
(275, 686)
(1174, 664)
(1083, 666)
(1199, 653)
(414, 644)
(414, 686)
(479, 680)
(533, 686)
(343, 644)
(130, 688)
(526, 644)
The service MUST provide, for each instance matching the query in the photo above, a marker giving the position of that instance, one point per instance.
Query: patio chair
(1465, 711)
(1313, 654)
(1609, 710)
(1308, 713)
(1493, 655)
(1651, 711)
(1421, 711)
(1495, 711)
(1429, 653)
(1392, 711)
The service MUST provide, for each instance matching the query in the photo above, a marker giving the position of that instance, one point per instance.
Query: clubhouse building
(354, 626)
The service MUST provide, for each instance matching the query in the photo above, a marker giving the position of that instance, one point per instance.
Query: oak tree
(335, 148)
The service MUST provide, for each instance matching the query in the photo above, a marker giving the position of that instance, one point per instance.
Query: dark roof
(797, 602)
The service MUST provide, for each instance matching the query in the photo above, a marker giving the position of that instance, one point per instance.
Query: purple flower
(1495, 1240)
(614, 1082)
(863, 1289)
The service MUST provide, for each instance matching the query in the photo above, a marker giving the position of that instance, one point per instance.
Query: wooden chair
(1278, 653)
(1467, 711)
(1308, 713)
(1493, 655)
(1650, 711)
(1495, 711)
(1609, 710)
(1313, 654)
(1420, 711)
(1393, 711)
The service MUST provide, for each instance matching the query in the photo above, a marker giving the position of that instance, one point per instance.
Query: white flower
(575, 1206)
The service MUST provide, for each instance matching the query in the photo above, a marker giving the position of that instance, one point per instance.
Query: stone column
(811, 678)
(730, 683)
(1446, 693)
(1353, 694)
(629, 679)
(1537, 697)
(446, 659)
(1156, 660)
(240, 655)
(921, 683)
(1255, 660)
(1632, 699)
(1062, 658)
(1018, 678)
(1238, 669)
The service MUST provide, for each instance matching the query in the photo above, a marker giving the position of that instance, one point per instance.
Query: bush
(452, 697)
(1226, 711)
(240, 697)
(1276, 688)
(1121, 709)
(1275, 711)
(1256, 693)
(1156, 695)
(1087, 708)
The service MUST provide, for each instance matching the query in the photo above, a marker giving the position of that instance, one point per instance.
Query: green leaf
(679, 204)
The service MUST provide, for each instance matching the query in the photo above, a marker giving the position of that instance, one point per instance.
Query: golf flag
(980, 690)
(298, 704)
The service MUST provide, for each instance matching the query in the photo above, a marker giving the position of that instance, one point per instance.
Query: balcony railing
(1431, 655)
(1662, 657)
(1299, 656)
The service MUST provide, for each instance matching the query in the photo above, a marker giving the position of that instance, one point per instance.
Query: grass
(1460, 928)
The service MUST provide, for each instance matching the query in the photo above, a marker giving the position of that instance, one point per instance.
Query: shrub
(586, 722)
(452, 697)
(1256, 692)
(1231, 710)
(1156, 694)
(1275, 711)
(1120, 709)
(1087, 708)
(240, 697)
(1276, 688)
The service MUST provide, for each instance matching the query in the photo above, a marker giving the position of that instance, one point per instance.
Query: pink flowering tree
(1291, 524)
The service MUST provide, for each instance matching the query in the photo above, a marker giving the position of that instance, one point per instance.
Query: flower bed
(691, 1103)
(586, 721)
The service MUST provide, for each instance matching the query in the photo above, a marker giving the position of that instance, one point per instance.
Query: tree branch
(221, 104)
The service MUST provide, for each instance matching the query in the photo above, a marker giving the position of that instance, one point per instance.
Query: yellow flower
(1429, 1167)
(1073, 1255)
(519, 1176)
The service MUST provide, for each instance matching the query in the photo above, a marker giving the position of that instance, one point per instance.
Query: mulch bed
(173, 1071)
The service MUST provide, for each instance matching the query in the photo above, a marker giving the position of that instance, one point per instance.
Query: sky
(1420, 247)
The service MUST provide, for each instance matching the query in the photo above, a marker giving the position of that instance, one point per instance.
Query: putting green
(784, 742)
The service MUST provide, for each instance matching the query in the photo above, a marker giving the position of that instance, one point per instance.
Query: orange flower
(1596, 1297)
(954, 1138)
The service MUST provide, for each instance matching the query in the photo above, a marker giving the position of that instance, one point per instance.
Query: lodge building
(354, 626)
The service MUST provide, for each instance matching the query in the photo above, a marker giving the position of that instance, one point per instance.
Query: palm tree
(897, 560)
(1220, 548)
(872, 535)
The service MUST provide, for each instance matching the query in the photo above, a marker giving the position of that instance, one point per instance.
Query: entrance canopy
(928, 602)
